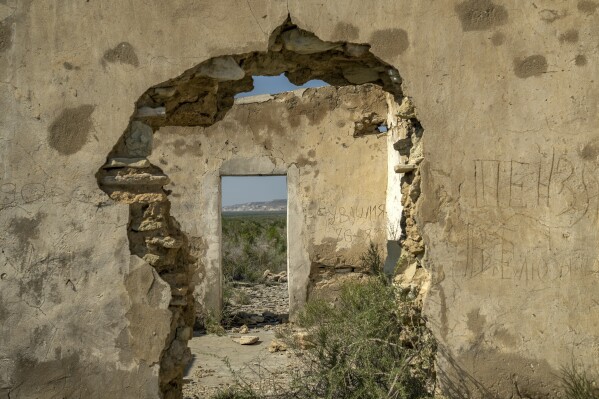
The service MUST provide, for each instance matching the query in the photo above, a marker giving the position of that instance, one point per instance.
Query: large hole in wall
(201, 96)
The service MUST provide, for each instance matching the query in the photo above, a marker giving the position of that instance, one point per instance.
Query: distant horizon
(257, 202)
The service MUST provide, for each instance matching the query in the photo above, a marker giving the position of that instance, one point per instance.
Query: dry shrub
(578, 384)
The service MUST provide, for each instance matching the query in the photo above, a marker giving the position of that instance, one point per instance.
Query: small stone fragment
(148, 225)
(166, 91)
(356, 50)
(166, 242)
(179, 291)
(139, 139)
(244, 329)
(142, 198)
(136, 163)
(222, 68)
(277, 346)
(406, 109)
(247, 340)
(303, 42)
(152, 259)
(281, 277)
(178, 301)
(276, 47)
(138, 179)
(149, 112)
(303, 340)
(404, 168)
(359, 76)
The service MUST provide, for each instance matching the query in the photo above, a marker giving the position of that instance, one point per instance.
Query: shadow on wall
(511, 372)
(455, 381)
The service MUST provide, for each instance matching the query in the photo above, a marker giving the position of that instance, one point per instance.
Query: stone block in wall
(222, 68)
(302, 42)
(139, 140)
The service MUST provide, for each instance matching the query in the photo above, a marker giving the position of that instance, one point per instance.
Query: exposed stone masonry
(155, 237)
(411, 273)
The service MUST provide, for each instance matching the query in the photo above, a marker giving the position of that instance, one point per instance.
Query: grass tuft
(578, 384)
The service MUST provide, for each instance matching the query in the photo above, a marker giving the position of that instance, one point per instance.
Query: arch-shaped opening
(201, 96)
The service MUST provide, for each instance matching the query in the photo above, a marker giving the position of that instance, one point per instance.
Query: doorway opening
(254, 251)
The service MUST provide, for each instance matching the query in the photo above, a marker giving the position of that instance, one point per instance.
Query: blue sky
(277, 84)
(242, 189)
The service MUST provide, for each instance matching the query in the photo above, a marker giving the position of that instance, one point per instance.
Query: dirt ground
(219, 361)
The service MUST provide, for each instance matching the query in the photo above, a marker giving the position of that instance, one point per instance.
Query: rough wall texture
(506, 92)
(202, 96)
(337, 182)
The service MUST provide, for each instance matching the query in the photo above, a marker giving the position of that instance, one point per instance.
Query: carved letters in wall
(533, 221)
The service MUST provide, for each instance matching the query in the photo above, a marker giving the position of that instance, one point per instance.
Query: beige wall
(336, 182)
(507, 94)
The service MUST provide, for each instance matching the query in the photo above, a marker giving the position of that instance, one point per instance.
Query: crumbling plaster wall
(336, 182)
(78, 316)
(507, 94)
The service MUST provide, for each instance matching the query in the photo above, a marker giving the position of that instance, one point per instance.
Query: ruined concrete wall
(336, 181)
(79, 316)
(507, 97)
(506, 93)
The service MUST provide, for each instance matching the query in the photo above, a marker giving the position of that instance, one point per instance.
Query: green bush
(372, 344)
(212, 324)
(253, 244)
(372, 261)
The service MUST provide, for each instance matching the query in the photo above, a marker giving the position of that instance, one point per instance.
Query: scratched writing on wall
(358, 223)
(16, 195)
(336, 215)
(556, 186)
(505, 254)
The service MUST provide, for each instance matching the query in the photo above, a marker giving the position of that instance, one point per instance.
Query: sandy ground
(251, 364)
(219, 362)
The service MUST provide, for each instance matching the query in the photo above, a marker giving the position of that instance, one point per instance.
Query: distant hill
(279, 205)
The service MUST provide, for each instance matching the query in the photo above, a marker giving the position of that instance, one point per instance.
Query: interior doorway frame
(298, 260)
